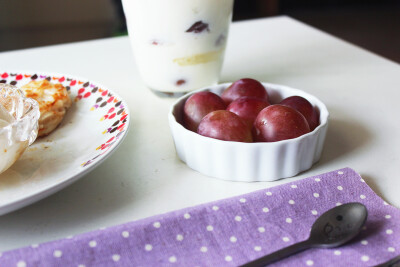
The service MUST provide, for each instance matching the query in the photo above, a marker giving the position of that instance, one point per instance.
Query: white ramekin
(249, 162)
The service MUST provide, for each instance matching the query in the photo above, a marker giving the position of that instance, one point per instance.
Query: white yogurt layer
(179, 44)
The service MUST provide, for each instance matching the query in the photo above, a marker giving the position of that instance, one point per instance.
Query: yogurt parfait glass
(179, 45)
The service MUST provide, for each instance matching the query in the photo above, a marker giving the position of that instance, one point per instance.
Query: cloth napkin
(233, 231)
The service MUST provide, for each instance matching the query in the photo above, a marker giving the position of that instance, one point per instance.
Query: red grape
(304, 107)
(198, 105)
(247, 108)
(277, 122)
(225, 125)
(244, 87)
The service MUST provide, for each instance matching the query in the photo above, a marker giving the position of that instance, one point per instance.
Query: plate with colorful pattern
(91, 130)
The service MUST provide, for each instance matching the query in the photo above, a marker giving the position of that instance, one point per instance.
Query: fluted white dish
(249, 162)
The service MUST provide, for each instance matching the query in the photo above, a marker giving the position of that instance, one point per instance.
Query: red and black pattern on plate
(113, 111)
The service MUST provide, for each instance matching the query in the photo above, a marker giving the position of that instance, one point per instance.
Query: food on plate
(53, 101)
(278, 122)
(244, 87)
(199, 105)
(18, 124)
(304, 107)
(247, 108)
(267, 122)
(224, 125)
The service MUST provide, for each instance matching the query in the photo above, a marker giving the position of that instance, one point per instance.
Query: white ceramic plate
(91, 130)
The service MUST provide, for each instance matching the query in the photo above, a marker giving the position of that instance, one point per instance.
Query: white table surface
(144, 177)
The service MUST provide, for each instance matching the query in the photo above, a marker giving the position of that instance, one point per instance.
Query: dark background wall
(371, 24)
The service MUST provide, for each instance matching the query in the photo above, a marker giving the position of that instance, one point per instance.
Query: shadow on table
(371, 182)
(343, 137)
(86, 202)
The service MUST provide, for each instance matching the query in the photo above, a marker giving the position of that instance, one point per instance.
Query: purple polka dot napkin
(233, 231)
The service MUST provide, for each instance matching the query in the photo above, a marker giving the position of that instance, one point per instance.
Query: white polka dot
(238, 218)
(337, 252)
(340, 172)
(242, 200)
(385, 203)
(148, 247)
(316, 195)
(268, 193)
(314, 212)
(21, 264)
(179, 237)
(285, 239)
(388, 216)
(257, 248)
(261, 229)
(203, 249)
(317, 180)
(338, 204)
(265, 209)
(362, 180)
(92, 244)
(34, 245)
(116, 257)
(157, 224)
(291, 202)
(389, 231)
(233, 239)
(364, 242)
(340, 187)
(57, 253)
(365, 258)
(210, 228)
(70, 237)
(81, 265)
(186, 216)
(391, 249)
(172, 259)
(288, 220)
(125, 234)
(309, 263)
(228, 258)
(215, 208)
(362, 196)
(293, 186)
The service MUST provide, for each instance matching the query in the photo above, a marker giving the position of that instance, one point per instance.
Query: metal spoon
(332, 229)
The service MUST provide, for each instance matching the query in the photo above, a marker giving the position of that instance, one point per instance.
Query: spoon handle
(280, 254)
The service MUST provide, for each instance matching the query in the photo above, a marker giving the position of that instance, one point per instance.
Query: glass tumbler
(179, 45)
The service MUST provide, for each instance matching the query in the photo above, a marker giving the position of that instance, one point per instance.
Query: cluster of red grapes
(243, 113)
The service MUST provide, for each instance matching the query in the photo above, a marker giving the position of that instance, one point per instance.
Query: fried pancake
(53, 100)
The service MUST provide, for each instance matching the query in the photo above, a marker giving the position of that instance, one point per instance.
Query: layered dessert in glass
(179, 45)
